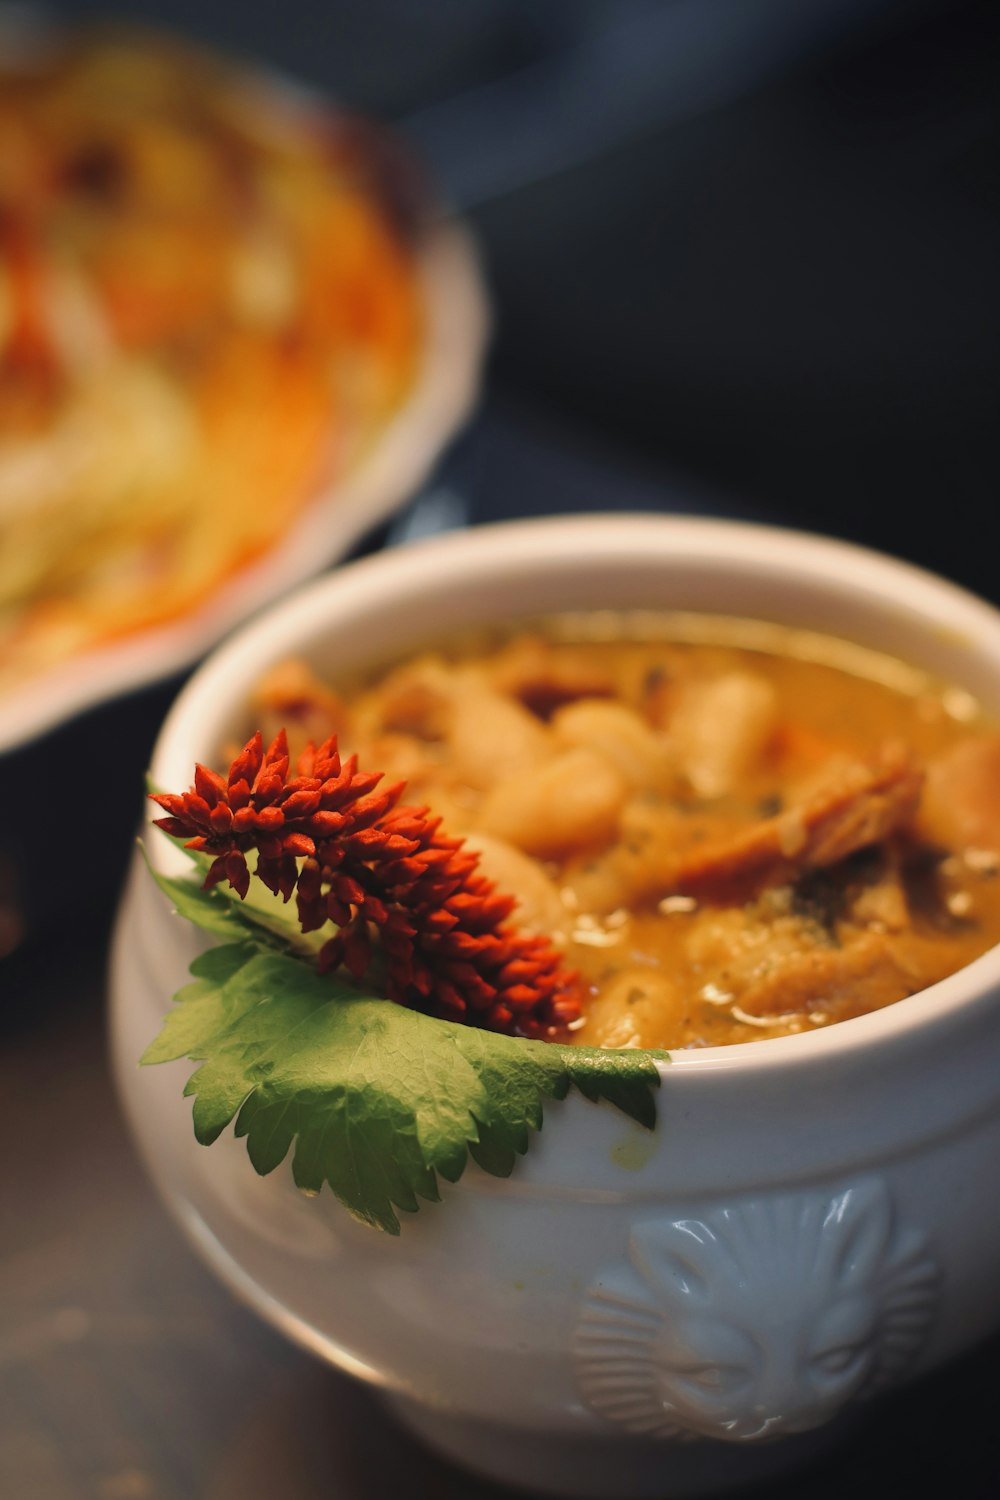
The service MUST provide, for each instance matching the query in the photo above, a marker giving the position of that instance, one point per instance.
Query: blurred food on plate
(210, 308)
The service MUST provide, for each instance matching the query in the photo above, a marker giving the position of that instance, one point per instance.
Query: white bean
(570, 802)
(619, 733)
(490, 737)
(720, 728)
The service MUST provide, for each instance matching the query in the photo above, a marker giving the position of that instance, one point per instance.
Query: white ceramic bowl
(627, 1315)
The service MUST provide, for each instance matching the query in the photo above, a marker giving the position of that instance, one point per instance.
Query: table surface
(126, 1371)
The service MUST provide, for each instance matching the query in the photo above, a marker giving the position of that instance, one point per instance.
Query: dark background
(751, 243)
(748, 242)
(743, 258)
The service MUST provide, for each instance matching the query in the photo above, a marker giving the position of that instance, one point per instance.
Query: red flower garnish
(352, 856)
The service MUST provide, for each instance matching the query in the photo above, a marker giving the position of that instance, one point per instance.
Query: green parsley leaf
(375, 1100)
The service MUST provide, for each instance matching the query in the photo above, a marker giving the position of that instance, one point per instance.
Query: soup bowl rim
(220, 685)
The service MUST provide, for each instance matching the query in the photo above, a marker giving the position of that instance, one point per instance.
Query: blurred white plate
(443, 396)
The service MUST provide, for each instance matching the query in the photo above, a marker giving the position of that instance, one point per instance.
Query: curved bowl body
(629, 1314)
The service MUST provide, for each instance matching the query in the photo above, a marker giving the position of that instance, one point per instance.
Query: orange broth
(733, 830)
